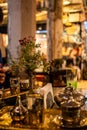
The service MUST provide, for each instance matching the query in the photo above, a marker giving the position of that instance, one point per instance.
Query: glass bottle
(35, 108)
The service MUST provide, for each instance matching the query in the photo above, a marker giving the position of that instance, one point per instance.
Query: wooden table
(50, 122)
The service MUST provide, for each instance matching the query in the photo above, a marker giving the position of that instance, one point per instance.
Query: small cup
(15, 85)
(24, 84)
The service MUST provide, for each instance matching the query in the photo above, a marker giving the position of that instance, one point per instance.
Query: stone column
(21, 23)
(55, 29)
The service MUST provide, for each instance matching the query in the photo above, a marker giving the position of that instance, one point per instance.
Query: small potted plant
(30, 59)
(30, 56)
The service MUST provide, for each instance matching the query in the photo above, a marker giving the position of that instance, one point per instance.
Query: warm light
(5, 40)
(44, 36)
(3, 4)
(41, 13)
(66, 2)
(41, 16)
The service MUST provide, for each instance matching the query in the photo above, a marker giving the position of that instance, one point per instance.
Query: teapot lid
(70, 103)
(69, 89)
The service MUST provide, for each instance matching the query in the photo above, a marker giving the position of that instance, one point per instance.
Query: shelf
(72, 4)
(11, 96)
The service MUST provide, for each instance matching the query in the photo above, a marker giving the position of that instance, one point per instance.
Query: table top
(51, 121)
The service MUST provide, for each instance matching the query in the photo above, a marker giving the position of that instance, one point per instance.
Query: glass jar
(15, 85)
